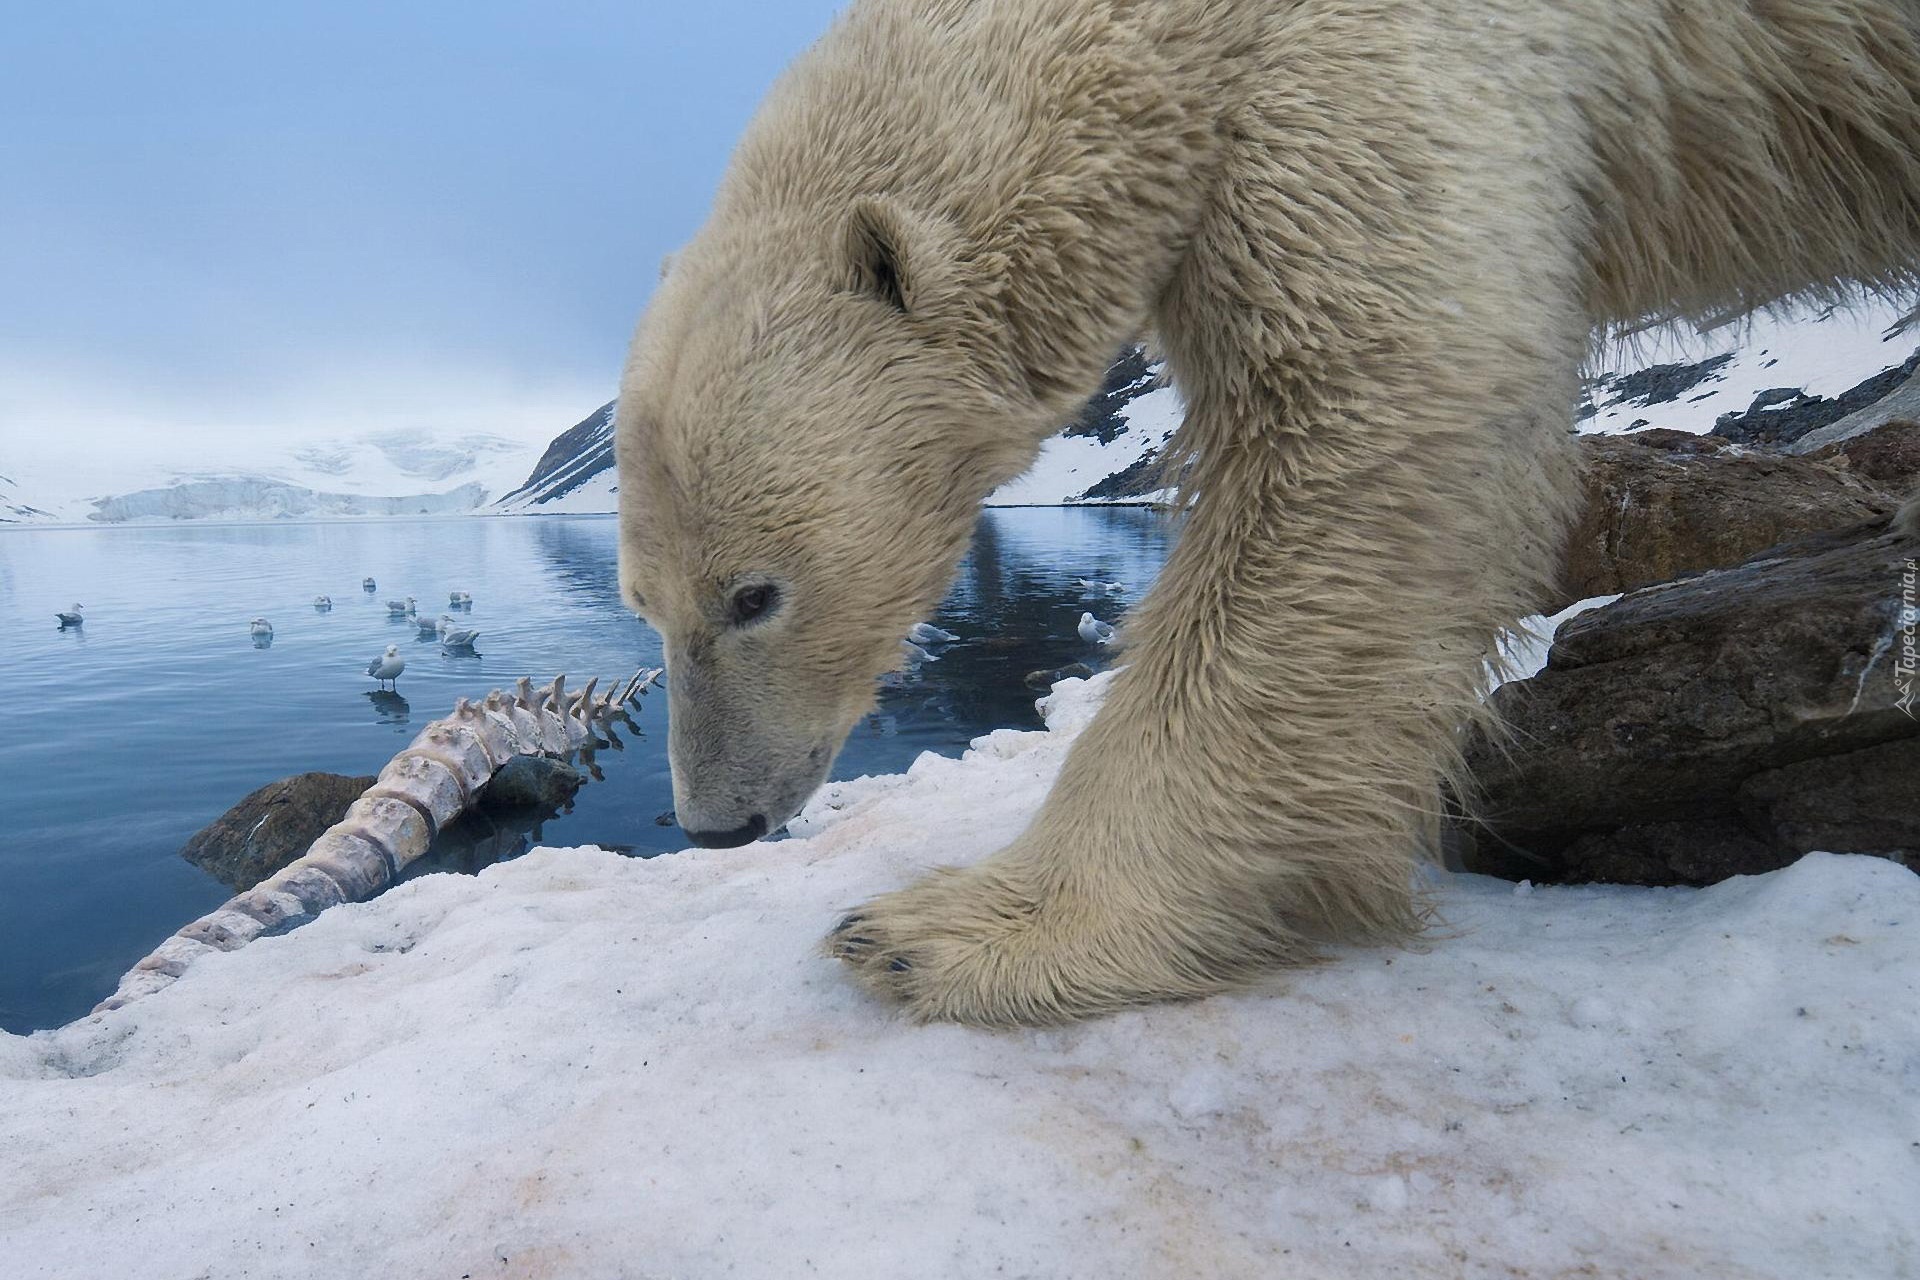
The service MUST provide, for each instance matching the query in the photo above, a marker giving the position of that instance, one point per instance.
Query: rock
(271, 827)
(532, 782)
(1902, 402)
(1047, 679)
(1802, 415)
(1888, 455)
(1663, 503)
(1723, 724)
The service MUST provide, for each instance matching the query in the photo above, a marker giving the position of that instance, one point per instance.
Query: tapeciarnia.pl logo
(1906, 668)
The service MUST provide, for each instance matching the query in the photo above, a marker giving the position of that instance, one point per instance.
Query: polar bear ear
(879, 246)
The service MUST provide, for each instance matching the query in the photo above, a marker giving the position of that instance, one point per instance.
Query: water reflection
(87, 860)
(389, 707)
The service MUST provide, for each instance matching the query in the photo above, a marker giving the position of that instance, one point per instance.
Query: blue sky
(221, 216)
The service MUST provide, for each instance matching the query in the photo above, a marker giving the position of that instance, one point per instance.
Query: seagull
(1094, 631)
(400, 608)
(927, 633)
(368, 585)
(323, 603)
(428, 627)
(1095, 588)
(260, 629)
(459, 599)
(914, 654)
(452, 637)
(70, 618)
(387, 667)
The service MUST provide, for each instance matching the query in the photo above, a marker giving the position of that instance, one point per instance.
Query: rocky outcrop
(1723, 724)
(576, 456)
(271, 827)
(1665, 503)
(1780, 418)
(1888, 456)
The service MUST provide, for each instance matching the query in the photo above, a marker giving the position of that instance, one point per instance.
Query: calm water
(125, 736)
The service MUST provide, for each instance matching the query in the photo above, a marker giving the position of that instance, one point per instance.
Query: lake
(126, 735)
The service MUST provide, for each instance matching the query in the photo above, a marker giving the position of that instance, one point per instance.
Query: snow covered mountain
(1761, 380)
(1107, 455)
(1765, 380)
(574, 475)
(389, 473)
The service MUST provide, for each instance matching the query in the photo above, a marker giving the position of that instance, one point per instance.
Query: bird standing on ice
(70, 617)
(1094, 631)
(387, 667)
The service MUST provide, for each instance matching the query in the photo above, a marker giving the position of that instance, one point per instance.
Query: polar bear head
(810, 418)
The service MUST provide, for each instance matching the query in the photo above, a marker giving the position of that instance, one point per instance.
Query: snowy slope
(1683, 378)
(577, 1064)
(1069, 466)
(574, 475)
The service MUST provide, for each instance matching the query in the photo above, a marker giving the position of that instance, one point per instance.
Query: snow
(265, 477)
(1068, 466)
(1524, 650)
(1821, 350)
(577, 1064)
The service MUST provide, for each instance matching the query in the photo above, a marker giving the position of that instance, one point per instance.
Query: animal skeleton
(432, 781)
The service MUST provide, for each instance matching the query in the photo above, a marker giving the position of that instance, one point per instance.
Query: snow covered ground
(577, 1064)
(1822, 351)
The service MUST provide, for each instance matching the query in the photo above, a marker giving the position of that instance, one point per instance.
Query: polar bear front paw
(975, 946)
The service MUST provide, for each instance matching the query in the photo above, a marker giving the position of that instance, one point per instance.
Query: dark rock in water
(532, 782)
(1661, 504)
(1723, 724)
(1047, 679)
(271, 827)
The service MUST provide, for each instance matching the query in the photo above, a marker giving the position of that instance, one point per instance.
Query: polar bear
(1374, 239)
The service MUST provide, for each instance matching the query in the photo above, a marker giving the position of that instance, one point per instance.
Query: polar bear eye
(749, 603)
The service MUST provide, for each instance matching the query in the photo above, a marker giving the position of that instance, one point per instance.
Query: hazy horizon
(229, 221)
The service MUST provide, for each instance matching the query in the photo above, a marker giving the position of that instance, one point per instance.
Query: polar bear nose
(746, 833)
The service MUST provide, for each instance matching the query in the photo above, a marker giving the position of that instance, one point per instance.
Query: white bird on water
(927, 633)
(70, 617)
(428, 627)
(400, 608)
(1094, 631)
(323, 603)
(452, 637)
(459, 599)
(388, 666)
(260, 629)
(1096, 588)
(914, 654)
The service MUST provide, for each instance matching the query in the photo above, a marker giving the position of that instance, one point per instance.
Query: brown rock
(1719, 725)
(271, 827)
(1661, 504)
(1888, 456)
